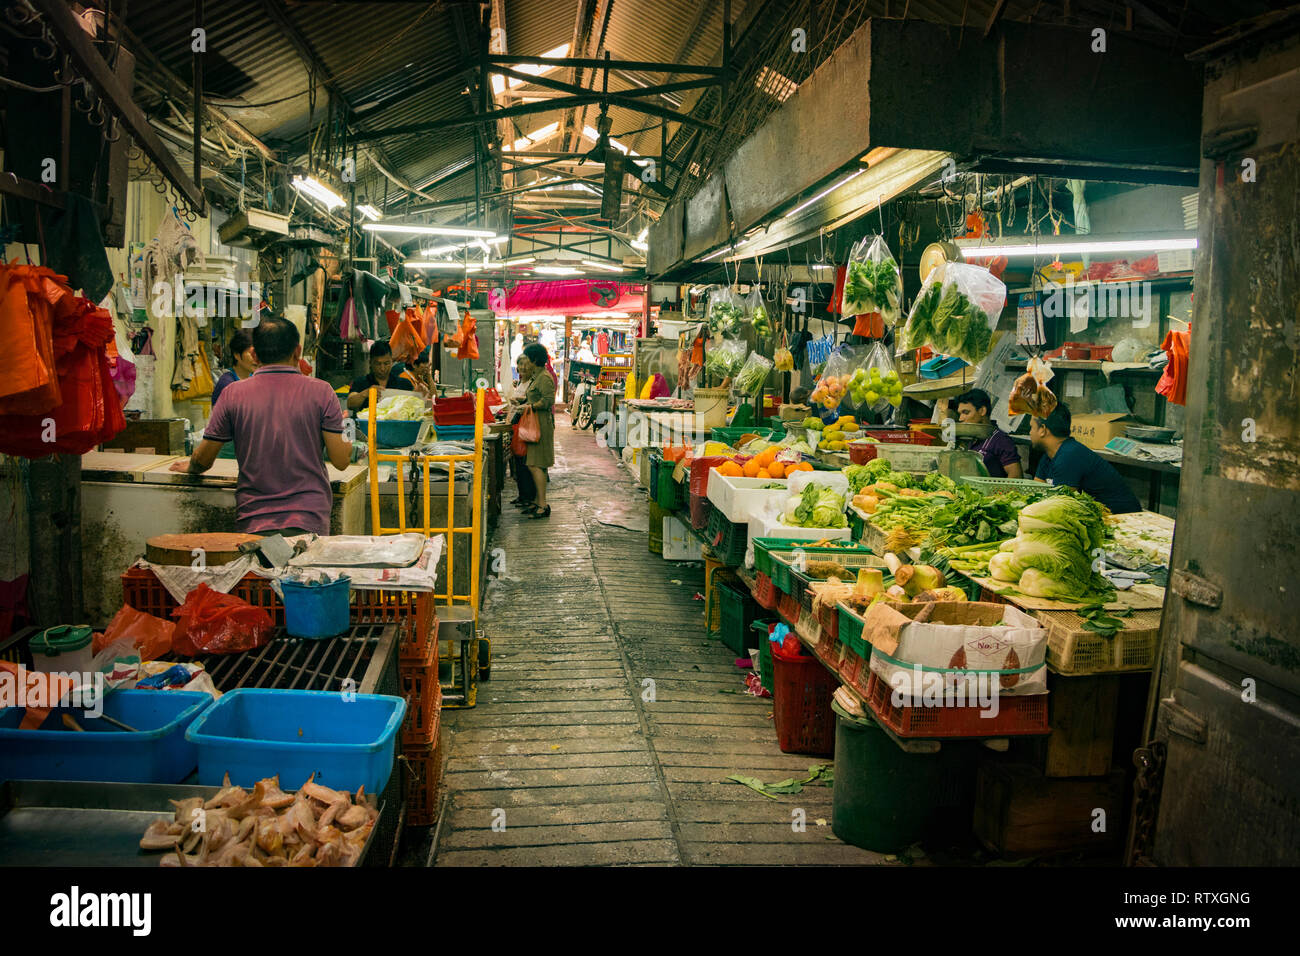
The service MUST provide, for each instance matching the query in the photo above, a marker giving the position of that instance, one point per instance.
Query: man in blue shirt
(1067, 461)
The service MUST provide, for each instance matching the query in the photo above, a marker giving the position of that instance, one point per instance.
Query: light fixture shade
(317, 190)
(370, 212)
(418, 230)
(1072, 246)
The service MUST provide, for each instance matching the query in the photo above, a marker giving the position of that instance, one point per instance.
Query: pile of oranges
(763, 465)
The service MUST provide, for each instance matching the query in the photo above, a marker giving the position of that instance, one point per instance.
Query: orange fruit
(776, 469)
(802, 466)
(731, 469)
(751, 468)
(763, 473)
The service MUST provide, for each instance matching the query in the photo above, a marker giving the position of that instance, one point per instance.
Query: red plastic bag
(151, 636)
(518, 447)
(468, 338)
(210, 622)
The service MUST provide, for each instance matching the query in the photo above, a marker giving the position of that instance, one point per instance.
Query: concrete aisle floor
(563, 751)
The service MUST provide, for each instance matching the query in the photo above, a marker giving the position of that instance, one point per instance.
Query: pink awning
(568, 297)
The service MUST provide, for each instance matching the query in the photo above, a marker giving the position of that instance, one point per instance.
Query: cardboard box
(1095, 430)
(958, 635)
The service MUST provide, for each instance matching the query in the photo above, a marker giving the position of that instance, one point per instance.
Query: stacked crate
(421, 732)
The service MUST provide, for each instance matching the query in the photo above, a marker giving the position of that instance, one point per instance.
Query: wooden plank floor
(611, 721)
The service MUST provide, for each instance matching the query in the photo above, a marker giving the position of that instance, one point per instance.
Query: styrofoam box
(679, 543)
(741, 499)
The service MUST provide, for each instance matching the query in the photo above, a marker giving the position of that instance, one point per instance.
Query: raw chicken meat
(317, 826)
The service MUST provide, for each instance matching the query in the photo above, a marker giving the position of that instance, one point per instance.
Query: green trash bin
(885, 799)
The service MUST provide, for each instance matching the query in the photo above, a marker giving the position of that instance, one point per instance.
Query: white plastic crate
(679, 543)
(740, 499)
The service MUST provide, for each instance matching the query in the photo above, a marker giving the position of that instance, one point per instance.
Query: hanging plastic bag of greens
(726, 309)
(749, 380)
(957, 311)
(758, 311)
(723, 360)
(873, 287)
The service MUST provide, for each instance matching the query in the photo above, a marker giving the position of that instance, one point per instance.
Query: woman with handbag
(518, 447)
(537, 422)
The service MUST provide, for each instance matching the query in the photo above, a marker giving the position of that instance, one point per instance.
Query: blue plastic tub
(396, 434)
(316, 610)
(346, 740)
(158, 753)
(454, 432)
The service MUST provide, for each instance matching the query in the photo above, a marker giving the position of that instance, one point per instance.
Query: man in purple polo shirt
(278, 419)
(999, 452)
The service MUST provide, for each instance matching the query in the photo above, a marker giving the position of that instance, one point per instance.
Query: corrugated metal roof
(386, 56)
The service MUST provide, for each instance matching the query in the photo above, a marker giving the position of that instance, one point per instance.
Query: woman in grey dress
(540, 396)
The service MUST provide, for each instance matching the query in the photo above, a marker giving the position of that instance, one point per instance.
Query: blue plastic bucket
(347, 740)
(316, 610)
(157, 752)
(395, 433)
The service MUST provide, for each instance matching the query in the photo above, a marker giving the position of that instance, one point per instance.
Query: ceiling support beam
(525, 109)
(601, 63)
(86, 60)
(697, 84)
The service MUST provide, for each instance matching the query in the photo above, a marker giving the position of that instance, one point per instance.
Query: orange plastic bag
(210, 622)
(151, 636)
(468, 338)
(406, 342)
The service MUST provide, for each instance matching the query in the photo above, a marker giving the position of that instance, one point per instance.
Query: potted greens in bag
(872, 285)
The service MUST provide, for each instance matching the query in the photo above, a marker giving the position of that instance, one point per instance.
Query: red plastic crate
(829, 618)
(862, 452)
(143, 591)
(700, 509)
(424, 761)
(700, 469)
(459, 410)
(765, 592)
(848, 668)
(1017, 716)
(423, 695)
(801, 705)
(788, 608)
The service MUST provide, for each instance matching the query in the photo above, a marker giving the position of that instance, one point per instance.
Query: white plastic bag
(957, 311)
(876, 383)
(749, 380)
(726, 310)
(724, 359)
(872, 282)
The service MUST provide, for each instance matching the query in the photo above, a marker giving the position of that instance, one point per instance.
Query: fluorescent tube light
(557, 270)
(413, 229)
(639, 244)
(439, 266)
(370, 212)
(602, 265)
(1074, 247)
(317, 190)
(520, 262)
(824, 193)
(640, 237)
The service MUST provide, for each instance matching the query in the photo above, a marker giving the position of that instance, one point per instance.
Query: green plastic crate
(764, 655)
(779, 571)
(738, 611)
(730, 433)
(851, 632)
(727, 539)
(994, 485)
(656, 529)
(669, 495)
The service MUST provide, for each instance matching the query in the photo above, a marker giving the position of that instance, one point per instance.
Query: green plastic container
(738, 612)
(993, 485)
(851, 632)
(656, 528)
(730, 433)
(727, 539)
(764, 654)
(669, 495)
(64, 648)
(779, 571)
(885, 799)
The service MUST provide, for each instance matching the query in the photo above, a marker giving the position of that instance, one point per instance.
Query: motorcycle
(583, 402)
